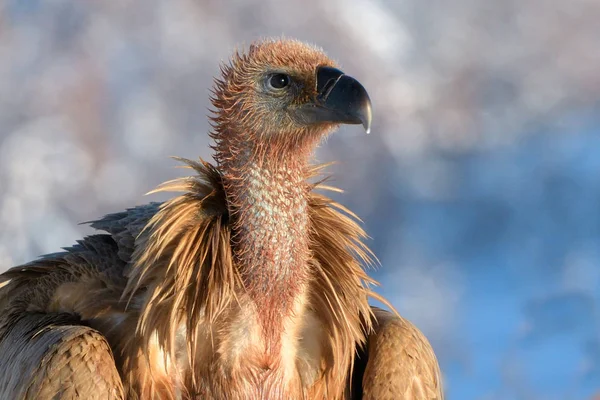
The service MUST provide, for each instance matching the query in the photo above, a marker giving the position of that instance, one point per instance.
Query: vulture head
(284, 95)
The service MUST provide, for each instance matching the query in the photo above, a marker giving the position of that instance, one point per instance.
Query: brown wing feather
(56, 358)
(401, 363)
(43, 304)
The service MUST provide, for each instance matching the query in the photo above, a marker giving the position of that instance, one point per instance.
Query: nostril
(326, 78)
(324, 93)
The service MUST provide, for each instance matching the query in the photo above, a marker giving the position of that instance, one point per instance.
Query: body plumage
(248, 285)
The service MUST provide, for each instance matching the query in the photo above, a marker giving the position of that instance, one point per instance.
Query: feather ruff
(183, 266)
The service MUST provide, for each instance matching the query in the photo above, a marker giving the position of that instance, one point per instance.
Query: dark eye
(279, 81)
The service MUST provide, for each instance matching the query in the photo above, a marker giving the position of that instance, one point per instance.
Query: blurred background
(480, 184)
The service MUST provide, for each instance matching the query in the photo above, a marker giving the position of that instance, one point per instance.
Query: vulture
(249, 284)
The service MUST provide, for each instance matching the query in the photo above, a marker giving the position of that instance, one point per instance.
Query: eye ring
(278, 81)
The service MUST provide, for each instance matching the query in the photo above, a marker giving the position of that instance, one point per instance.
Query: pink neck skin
(268, 199)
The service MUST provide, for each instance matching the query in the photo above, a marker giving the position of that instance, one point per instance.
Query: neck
(268, 200)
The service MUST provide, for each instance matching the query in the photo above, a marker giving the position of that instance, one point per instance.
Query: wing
(398, 363)
(53, 357)
(61, 315)
(50, 307)
(86, 279)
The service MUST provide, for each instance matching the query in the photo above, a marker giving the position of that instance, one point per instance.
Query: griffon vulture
(247, 285)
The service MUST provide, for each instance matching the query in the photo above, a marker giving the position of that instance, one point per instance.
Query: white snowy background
(480, 184)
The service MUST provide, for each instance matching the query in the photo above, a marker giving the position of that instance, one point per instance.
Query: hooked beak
(340, 98)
